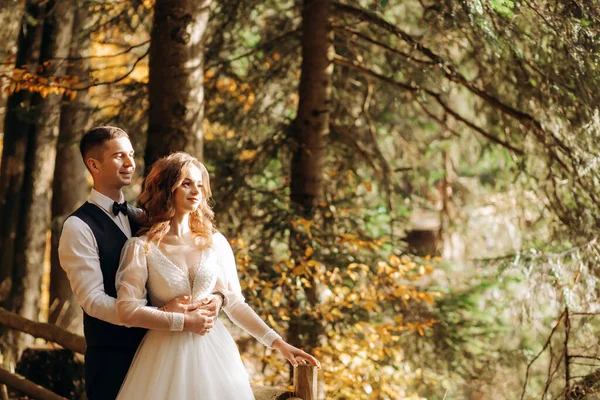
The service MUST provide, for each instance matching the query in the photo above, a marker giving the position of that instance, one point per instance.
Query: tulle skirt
(183, 365)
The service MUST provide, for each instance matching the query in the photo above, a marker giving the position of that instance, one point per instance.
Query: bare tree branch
(120, 53)
(562, 315)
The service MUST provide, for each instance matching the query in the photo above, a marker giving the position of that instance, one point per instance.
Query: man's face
(116, 166)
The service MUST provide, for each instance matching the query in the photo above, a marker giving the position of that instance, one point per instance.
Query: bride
(185, 355)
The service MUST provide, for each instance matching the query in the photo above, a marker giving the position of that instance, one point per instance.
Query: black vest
(110, 240)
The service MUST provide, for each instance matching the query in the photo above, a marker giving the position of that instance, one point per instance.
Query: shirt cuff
(177, 322)
(269, 337)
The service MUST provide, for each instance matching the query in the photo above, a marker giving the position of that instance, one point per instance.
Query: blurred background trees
(411, 187)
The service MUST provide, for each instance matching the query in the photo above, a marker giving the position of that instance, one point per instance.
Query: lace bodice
(169, 278)
(177, 268)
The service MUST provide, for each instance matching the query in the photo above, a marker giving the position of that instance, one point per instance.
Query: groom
(89, 250)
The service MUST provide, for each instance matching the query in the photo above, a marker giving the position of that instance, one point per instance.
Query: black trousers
(105, 370)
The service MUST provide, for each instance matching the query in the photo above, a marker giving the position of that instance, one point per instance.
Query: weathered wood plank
(49, 332)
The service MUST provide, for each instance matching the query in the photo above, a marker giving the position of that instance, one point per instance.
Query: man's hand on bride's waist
(180, 304)
(212, 303)
(199, 321)
(206, 311)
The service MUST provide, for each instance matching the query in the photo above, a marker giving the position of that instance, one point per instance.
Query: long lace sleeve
(131, 279)
(235, 305)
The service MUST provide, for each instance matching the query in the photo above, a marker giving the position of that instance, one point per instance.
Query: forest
(411, 187)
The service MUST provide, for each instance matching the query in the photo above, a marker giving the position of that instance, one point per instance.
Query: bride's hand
(295, 355)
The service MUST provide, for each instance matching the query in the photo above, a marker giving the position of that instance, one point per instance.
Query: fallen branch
(49, 332)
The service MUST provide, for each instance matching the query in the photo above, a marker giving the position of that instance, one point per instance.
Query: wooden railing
(305, 376)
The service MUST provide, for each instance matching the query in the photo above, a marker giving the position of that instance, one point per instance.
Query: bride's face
(189, 194)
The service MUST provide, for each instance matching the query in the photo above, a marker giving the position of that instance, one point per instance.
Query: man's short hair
(96, 137)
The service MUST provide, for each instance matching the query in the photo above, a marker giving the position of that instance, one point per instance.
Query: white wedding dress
(171, 363)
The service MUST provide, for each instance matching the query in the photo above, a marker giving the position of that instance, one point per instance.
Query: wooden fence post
(305, 382)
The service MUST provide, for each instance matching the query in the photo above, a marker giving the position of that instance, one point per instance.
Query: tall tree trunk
(10, 21)
(30, 243)
(70, 187)
(17, 126)
(176, 88)
(312, 129)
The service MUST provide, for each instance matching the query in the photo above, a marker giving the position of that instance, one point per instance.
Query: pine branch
(453, 75)
(348, 138)
(357, 67)
(259, 47)
(476, 128)
(437, 119)
(384, 46)
(339, 60)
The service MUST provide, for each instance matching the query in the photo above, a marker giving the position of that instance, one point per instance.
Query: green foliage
(503, 7)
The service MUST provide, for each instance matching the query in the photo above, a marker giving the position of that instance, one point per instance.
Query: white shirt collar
(104, 201)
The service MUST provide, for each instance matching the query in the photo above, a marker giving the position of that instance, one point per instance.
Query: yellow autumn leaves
(354, 286)
(229, 89)
(367, 309)
(23, 80)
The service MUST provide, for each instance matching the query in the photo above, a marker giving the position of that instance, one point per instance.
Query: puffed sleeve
(131, 279)
(235, 305)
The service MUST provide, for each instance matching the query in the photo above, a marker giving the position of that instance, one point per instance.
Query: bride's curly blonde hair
(165, 176)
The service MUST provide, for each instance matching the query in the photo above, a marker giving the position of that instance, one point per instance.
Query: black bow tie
(120, 208)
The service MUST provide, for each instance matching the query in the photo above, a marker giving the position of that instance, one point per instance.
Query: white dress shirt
(79, 257)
